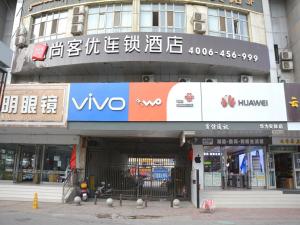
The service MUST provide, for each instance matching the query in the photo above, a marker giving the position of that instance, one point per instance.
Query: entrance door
(284, 170)
(28, 166)
(296, 160)
(272, 175)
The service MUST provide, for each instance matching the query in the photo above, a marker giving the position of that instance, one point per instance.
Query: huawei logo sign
(228, 100)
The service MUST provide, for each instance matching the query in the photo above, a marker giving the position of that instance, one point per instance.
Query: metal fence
(154, 181)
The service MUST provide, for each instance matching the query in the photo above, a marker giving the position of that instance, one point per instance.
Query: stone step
(25, 192)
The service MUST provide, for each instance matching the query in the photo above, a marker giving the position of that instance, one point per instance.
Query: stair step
(20, 192)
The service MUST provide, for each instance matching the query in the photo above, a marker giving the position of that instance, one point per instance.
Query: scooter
(102, 190)
(83, 191)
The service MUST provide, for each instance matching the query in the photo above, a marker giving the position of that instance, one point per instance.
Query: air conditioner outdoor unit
(147, 78)
(197, 16)
(78, 10)
(246, 79)
(78, 19)
(77, 29)
(287, 65)
(199, 27)
(211, 80)
(184, 79)
(286, 55)
(20, 41)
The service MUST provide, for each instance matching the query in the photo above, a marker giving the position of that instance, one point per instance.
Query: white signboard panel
(243, 102)
(184, 102)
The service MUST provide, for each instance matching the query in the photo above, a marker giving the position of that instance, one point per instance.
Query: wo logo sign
(149, 103)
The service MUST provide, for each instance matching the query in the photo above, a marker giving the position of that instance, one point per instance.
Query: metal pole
(198, 189)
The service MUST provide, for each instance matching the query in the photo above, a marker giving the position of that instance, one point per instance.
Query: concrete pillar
(135, 15)
(270, 41)
(197, 164)
(81, 150)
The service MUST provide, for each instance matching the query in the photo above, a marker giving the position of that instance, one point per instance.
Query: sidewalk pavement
(156, 211)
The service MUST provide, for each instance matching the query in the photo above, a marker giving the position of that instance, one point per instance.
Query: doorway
(284, 170)
(137, 167)
(27, 168)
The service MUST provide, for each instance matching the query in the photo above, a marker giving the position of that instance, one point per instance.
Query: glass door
(28, 168)
(272, 173)
(296, 163)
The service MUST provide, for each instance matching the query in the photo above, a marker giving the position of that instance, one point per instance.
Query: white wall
(293, 16)
(280, 34)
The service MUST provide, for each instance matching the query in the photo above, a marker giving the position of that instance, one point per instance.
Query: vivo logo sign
(91, 102)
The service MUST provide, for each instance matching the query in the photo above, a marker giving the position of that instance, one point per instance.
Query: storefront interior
(284, 164)
(34, 163)
(234, 167)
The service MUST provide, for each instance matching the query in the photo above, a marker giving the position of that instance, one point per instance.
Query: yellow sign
(294, 102)
(290, 141)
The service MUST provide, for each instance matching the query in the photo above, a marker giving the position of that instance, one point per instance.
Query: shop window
(227, 23)
(56, 163)
(109, 19)
(162, 18)
(7, 158)
(49, 26)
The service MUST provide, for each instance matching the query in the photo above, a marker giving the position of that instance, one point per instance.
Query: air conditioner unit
(78, 19)
(199, 27)
(287, 65)
(246, 79)
(211, 80)
(20, 41)
(197, 16)
(147, 78)
(184, 79)
(77, 29)
(78, 10)
(286, 55)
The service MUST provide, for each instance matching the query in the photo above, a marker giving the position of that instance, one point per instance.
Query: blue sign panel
(98, 102)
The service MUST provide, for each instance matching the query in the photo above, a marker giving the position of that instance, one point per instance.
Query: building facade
(155, 98)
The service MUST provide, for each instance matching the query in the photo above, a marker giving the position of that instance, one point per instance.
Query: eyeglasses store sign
(145, 47)
(41, 105)
(243, 102)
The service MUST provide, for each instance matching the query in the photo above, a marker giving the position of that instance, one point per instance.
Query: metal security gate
(154, 178)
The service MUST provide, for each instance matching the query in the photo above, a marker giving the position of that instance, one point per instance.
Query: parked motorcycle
(83, 191)
(102, 190)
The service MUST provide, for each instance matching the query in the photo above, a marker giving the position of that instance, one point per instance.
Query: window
(56, 163)
(49, 26)
(227, 23)
(162, 18)
(109, 19)
(7, 161)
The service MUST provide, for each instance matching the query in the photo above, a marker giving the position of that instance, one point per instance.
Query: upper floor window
(162, 18)
(49, 26)
(109, 19)
(227, 23)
